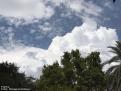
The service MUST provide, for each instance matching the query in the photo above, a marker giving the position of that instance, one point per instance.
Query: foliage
(10, 76)
(75, 73)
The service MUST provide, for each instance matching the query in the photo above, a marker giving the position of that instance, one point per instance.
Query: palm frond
(118, 44)
(115, 79)
(111, 69)
(113, 83)
(113, 59)
(115, 50)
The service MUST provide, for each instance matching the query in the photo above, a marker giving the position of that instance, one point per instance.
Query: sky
(37, 32)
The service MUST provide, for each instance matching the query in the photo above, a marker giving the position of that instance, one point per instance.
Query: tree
(75, 73)
(10, 76)
(114, 72)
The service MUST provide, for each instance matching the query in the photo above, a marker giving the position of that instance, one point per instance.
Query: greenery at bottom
(75, 73)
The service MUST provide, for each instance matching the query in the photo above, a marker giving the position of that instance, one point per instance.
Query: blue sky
(37, 32)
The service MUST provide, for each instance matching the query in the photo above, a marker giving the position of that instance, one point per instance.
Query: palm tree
(114, 72)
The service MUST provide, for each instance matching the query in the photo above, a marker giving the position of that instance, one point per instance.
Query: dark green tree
(10, 76)
(75, 73)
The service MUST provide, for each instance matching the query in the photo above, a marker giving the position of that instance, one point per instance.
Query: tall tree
(74, 74)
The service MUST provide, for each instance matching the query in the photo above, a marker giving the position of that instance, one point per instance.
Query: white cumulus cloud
(85, 38)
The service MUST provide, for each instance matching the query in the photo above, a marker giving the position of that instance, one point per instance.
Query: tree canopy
(75, 73)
